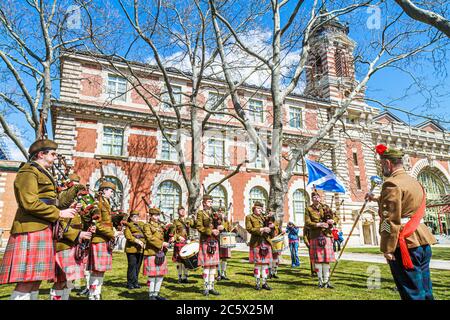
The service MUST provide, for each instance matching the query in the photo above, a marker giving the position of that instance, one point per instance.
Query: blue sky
(387, 86)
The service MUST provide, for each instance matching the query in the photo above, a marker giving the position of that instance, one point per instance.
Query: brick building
(100, 117)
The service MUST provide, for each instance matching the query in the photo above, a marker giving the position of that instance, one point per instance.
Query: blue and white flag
(323, 178)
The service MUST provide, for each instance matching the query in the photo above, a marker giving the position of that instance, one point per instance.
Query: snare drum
(227, 239)
(189, 255)
(278, 244)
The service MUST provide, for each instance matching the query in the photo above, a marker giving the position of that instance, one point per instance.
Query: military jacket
(180, 228)
(204, 223)
(315, 215)
(104, 231)
(401, 196)
(253, 223)
(32, 214)
(154, 237)
(133, 232)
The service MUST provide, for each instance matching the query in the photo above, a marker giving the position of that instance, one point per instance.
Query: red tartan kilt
(176, 252)
(29, 257)
(256, 258)
(152, 270)
(204, 258)
(318, 254)
(100, 259)
(225, 253)
(67, 269)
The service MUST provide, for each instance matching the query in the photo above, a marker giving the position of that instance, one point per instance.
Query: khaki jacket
(32, 214)
(134, 231)
(314, 216)
(180, 227)
(154, 238)
(252, 224)
(204, 223)
(401, 196)
(104, 231)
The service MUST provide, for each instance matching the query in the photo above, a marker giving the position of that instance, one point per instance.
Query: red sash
(408, 230)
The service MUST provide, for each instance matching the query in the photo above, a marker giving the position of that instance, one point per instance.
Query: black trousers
(134, 266)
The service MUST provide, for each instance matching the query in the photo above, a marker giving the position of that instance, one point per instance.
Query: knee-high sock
(264, 272)
(224, 267)
(158, 284)
(319, 271)
(257, 274)
(56, 294)
(95, 287)
(34, 295)
(212, 275)
(185, 271)
(206, 277)
(326, 272)
(87, 276)
(17, 295)
(274, 266)
(69, 286)
(180, 270)
(152, 286)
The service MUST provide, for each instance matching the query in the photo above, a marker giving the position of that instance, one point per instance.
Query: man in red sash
(405, 239)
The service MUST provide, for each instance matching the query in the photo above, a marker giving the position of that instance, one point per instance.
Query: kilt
(318, 254)
(256, 258)
(28, 257)
(67, 269)
(225, 253)
(204, 258)
(176, 252)
(100, 259)
(152, 270)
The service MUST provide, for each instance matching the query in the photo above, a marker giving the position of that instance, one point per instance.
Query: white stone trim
(112, 170)
(141, 160)
(423, 163)
(169, 174)
(143, 132)
(257, 181)
(86, 125)
(84, 154)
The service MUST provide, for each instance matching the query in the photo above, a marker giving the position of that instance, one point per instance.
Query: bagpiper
(155, 262)
(29, 257)
(134, 248)
(260, 246)
(275, 231)
(404, 239)
(181, 228)
(100, 253)
(224, 253)
(208, 256)
(319, 220)
(68, 268)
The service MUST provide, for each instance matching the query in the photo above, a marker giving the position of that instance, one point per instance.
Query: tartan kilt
(100, 259)
(152, 270)
(224, 253)
(318, 254)
(176, 252)
(256, 258)
(29, 256)
(67, 269)
(204, 258)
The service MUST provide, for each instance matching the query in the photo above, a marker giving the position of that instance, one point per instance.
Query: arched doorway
(435, 188)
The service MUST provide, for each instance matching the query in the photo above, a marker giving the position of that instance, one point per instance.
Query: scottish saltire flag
(323, 178)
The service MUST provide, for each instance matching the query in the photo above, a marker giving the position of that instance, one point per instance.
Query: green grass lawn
(439, 253)
(350, 281)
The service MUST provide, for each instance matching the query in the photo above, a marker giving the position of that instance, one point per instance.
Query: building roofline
(426, 122)
(390, 114)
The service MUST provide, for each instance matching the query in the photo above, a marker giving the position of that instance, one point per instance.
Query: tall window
(165, 97)
(117, 198)
(219, 197)
(168, 152)
(317, 67)
(117, 88)
(215, 151)
(256, 157)
(213, 99)
(168, 198)
(435, 189)
(295, 117)
(299, 205)
(355, 158)
(112, 141)
(258, 194)
(358, 182)
(256, 112)
(340, 64)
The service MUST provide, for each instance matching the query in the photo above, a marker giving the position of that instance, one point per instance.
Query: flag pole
(304, 195)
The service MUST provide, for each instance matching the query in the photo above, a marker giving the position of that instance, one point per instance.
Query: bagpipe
(167, 226)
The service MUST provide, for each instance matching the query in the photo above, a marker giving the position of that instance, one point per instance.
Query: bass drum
(189, 255)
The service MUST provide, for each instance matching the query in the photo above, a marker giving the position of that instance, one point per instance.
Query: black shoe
(83, 292)
(257, 287)
(225, 278)
(152, 298)
(214, 292)
(180, 280)
(206, 293)
(158, 297)
(266, 287)
(184, 280)
(219, 278)
(137, 286)
(320, 286)
(275, 276)
(130, 286)
(270, 276)
(328, 285)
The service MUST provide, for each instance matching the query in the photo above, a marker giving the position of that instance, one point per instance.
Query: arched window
(435, 190)
(168, 199)
(258, 194)
(340, 64)
(117, 198)
(219, 196)
(298, 204)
